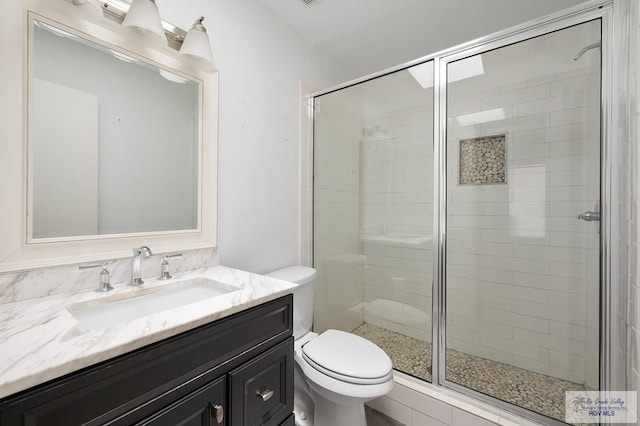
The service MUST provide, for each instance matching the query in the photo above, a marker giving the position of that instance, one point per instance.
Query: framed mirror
(113, 141)
(119, 145)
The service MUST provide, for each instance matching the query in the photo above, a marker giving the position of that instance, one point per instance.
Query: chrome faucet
(139, 253)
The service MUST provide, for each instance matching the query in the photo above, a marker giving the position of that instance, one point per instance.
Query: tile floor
(537, 392)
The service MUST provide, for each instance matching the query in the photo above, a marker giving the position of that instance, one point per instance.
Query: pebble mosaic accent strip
(536, 392)
(483, 160)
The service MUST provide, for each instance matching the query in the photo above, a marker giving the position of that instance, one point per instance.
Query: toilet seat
(348, 358)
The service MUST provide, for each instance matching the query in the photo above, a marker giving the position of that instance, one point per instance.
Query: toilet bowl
(335, 372)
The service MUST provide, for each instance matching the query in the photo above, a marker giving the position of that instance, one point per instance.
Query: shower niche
(483, 160)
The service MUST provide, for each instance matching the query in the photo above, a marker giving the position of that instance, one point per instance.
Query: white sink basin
(106, 312)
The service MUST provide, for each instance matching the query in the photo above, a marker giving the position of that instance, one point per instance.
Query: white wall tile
(463, 418)
(517, 320)
(393, 409)
(569, 85)
(517, 96)
(419, 419)
(537, 310)
(556, 343)
(537, 353)
(568, 361)
(564, 284)
(568, 331)
(422, 403)
(551, 104)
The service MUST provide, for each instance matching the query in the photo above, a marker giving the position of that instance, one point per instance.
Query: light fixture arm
(198, 25)
(116, 11)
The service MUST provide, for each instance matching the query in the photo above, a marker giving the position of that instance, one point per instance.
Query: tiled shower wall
(632, 12)
(522, 270)
(337, 260)
(397, 218)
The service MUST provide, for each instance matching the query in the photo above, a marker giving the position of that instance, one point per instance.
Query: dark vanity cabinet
(234, 371)
(206, 406)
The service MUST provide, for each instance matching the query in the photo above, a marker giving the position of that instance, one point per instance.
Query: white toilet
(336, 372)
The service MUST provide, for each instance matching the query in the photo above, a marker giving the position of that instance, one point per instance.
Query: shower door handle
(590, 216)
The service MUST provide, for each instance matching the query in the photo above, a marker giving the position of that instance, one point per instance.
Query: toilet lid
(347, 355)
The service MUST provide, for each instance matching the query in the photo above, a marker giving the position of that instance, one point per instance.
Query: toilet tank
(302, 296)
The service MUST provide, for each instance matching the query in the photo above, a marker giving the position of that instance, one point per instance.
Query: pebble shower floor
(537, 392)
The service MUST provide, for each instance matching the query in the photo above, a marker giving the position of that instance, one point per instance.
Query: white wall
(261, 63)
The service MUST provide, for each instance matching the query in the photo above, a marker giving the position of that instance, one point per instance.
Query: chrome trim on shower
(311, 104)
(606, 143)
(439, 222)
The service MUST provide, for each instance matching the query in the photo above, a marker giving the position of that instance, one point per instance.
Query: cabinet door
(204, 407)
(261, 391)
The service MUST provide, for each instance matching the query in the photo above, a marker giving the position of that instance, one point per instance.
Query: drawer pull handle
(265, 395)
(218, 412)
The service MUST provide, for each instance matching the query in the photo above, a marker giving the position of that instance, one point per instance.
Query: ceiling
(365, 36)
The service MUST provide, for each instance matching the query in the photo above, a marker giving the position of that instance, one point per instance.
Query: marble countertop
(41, 340)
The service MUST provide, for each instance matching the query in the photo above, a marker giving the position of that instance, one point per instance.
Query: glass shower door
(373, 214)
(523, 191)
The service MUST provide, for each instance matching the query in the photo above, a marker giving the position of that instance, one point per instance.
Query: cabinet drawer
(261, 390)
(205, 407)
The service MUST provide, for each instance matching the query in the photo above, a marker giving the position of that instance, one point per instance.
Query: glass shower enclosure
(460, 200)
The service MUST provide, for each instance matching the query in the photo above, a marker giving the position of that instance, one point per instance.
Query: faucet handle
(105, 277)
(165, 265)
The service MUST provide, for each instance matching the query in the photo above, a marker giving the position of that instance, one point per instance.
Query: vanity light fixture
(196, 43)
(144, 17)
